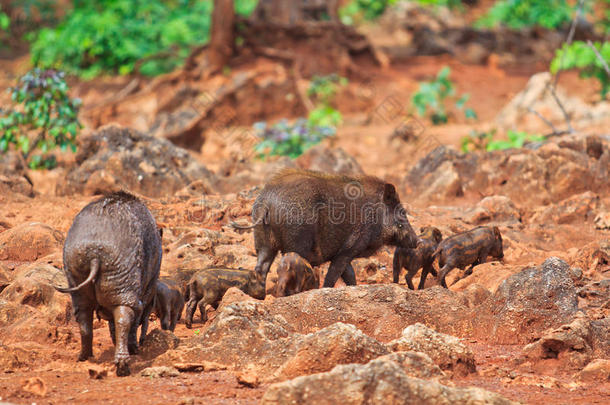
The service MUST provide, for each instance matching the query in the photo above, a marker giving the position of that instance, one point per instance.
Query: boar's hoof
(122, 368)
(133, 348)
(84, 356)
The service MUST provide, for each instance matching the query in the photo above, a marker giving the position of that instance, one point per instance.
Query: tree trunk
(222, 39)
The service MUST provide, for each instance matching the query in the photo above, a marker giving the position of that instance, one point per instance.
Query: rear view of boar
(327, 217)
(422, 257)
(294, 275)
(112, 257)
(169, 304)
(468, 248)
(208, 286)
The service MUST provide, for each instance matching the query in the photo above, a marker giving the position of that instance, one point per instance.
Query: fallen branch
(599, 56)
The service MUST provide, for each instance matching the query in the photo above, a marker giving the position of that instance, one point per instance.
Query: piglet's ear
(389, 194)
(497, 232)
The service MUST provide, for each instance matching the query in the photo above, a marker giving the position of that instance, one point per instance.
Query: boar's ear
(497, 233)
(390, 196)
(438, 236)
(422, 229)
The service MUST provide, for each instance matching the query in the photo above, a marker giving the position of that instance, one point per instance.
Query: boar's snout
(406, 235)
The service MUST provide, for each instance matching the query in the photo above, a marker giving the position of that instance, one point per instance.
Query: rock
(537, 96)
(578, 208)
(593, 258)
(528, 303)
(232, 296)
(328, 160)
(381, 381)
(13, 183)
(159, 372)
(34, 385)
(158, 342)
(115, 158)
(30, 241)
(596, 371)
(248, 378)
(602, 220)
(15, 356)
(569, 343)
(475, 295)
(336, 344)
(416, 364)
(97, 372)
(446, 351)
(496, 208)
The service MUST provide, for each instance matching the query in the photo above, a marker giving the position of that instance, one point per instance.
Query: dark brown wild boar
(294, 275)
(422, 257)
(208, 286)
(468, 248)
(327, 217)
(112, 257)
(169, 304)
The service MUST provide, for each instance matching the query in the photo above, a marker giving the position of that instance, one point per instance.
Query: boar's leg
(409, 278)
(84, 317)
(145, 320)
(124, 317)
(191, 307)
(264, 260)
(201, 305)
(336, 269)
(112, 331)
(349, 275)
(397, 264)
(424, 273)
(166, 316)
(442, 273)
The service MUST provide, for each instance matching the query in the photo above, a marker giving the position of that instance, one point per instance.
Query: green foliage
(477, 140)
(432, 97)
(360, 10)
(580, 56)
(44, 117)
(4, 21)
(519, 14)
(245, 7)
(292, 140)
(442, 3)
(113, 35)
(323, 90)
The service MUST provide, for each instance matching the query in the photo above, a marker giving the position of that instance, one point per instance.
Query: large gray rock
(115, 158)
(381, 381)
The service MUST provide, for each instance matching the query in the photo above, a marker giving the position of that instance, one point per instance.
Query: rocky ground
(534, 329)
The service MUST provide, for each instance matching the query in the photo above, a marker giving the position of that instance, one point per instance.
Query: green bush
(43, 117)
(323, 90)
(360, 10)
(432, 96)
(292, 140)
(519, 14)
(120, 36)
(580, 56)
(485, 140)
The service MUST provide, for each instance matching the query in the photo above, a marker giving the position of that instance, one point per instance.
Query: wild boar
(327, 217)
(294, 275)
(208, 286)
(169, 304)
(419, 258)
(112, 256)
(468, 248)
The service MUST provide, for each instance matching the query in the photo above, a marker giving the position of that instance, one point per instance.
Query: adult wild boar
(327, 217)
(294, 275)
(422, 257)
(468, 248)
(112, 257)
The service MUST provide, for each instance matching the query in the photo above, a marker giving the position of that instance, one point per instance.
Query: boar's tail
(95, 265)
(238, 226)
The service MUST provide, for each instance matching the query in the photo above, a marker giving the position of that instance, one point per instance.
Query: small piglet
(295, 275)
(169, 304)
(208, 286)
(468, 248)
(419, 258)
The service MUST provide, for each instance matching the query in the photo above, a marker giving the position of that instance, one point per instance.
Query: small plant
(580, 56)
(323, 90)
(292, 140)
(44, 117)
(196, 332)
(432, 96)
(519, 14)
(478, 140)
(359, 10)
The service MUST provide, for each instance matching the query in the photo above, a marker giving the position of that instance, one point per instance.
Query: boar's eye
(399, 225)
